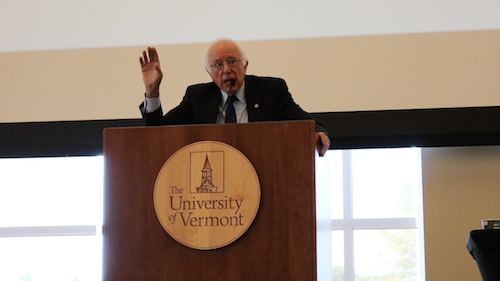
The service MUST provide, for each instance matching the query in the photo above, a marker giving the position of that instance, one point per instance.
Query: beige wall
(427, 70)
(461, 187)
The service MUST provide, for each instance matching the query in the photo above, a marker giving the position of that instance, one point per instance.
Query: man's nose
(226, 68)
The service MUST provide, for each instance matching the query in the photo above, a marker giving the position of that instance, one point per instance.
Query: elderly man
(232, 97)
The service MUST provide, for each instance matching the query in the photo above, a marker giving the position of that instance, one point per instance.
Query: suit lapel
(253, 98)
(213, 101)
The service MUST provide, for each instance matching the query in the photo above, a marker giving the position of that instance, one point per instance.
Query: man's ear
(209, 72)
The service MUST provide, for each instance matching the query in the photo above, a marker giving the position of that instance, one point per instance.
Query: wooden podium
(283, 242)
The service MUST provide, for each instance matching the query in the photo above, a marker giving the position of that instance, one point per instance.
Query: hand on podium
(322, 143)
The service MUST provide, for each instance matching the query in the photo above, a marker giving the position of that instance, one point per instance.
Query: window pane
(51, 258)
(388, 254)
(385, 182)
(338, 255)
(334, 160)
(51, 191)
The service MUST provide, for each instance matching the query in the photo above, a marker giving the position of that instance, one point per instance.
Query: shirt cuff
(151, 104)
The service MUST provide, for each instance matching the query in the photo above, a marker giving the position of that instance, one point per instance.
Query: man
(233, 96)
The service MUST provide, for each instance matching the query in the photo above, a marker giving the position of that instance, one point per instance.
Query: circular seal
(206, 195)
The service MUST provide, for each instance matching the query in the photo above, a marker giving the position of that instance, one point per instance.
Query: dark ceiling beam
(347, 130)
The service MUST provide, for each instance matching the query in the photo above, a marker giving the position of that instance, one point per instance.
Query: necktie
(230, 113)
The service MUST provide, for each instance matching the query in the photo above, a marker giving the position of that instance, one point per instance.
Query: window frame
(348, 224)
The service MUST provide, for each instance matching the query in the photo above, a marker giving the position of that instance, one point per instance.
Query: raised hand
(151, 72)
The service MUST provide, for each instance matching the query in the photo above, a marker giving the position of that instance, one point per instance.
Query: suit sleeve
(180, 115)
(291, 110)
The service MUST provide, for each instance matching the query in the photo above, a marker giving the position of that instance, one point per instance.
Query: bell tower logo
(206, 185)
(207, 195)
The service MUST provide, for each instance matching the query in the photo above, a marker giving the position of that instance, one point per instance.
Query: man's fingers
(325, 140)
(322, 142)
(323, 151)
(153, 55)
(149, 56)
(144, 59)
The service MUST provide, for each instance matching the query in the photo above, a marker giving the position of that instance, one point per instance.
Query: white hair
(206, 63)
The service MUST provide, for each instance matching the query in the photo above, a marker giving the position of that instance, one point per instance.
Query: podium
(289, 238)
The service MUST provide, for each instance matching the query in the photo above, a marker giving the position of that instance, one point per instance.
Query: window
(377, 227)
(51, 218)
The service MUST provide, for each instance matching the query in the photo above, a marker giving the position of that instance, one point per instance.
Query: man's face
(228, 78)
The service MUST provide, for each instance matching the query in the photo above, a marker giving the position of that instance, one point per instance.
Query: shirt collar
(240, 94)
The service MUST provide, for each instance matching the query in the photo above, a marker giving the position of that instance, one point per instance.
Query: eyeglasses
(231, 63)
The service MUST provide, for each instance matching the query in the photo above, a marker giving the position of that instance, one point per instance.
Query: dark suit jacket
(267, 99)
